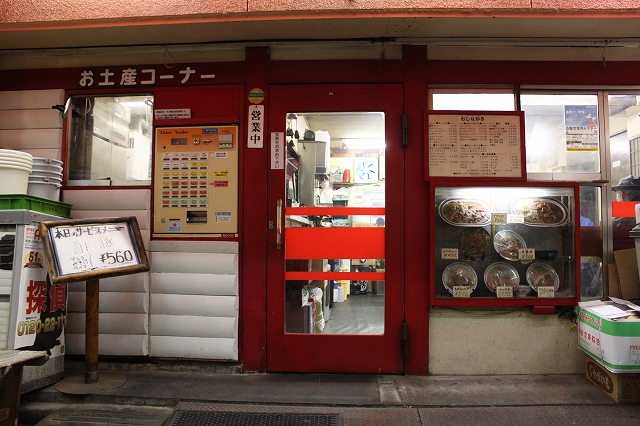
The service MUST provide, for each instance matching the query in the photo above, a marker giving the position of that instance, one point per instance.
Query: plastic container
(459, 274)
(51, 161)
(41, 175)
(501, 274)
(11, 159)
(48, 168)
(16, 162)
(14, 153)
(14, 178)
(37, 204)
(48, 190)
(52, 179)
(507, 243)
(540, 274)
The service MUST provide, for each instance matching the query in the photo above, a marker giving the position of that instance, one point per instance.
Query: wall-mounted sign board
(83, 249)
(475, 144)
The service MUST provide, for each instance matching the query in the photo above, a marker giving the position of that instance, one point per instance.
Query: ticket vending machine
(196, 182)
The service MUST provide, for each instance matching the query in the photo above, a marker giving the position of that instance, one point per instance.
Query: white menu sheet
(474, 145)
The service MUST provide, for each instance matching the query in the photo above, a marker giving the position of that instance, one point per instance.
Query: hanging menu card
(475, 144)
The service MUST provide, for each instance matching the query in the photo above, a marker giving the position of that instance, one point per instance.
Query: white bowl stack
(15, 167)
(45, 179)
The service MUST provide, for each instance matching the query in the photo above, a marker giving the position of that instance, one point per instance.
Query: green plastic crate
(37, 204)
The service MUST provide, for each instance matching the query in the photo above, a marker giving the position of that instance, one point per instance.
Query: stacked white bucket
(15, 167)
(45, 179)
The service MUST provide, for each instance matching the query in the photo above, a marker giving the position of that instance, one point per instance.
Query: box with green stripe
(609, 332)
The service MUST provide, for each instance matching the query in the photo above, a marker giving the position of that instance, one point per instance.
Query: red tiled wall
(65, 12)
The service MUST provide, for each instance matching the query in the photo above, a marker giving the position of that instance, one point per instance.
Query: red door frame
(341, 353)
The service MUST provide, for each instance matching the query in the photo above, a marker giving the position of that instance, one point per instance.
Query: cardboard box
(621, 387)
(628, 278)
(614, 282)
(609, 331)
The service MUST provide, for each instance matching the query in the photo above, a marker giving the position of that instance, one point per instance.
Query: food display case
(505, 244)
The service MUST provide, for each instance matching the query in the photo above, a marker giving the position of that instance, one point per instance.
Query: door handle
(279, 225)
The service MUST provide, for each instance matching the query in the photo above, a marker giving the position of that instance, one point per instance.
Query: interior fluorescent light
(364, 143)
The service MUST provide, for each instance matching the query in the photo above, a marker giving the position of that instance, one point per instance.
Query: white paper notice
(256, 124)
(473, 145)
(278, 150)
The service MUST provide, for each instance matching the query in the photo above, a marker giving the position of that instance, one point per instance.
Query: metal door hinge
(405, 340)
(405, 130)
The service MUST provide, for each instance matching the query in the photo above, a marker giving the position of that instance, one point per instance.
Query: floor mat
(107, 414)
(208, 418)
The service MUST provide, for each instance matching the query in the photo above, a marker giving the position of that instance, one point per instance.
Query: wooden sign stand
(91, 331)
(86, 250)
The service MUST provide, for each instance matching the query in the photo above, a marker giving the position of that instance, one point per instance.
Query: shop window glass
(562, 136)
(110, 140)
(466, 101)
(624, 133)
(591, 247)
(562, 133)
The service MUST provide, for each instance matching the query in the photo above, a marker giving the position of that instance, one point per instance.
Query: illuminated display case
(505, 244)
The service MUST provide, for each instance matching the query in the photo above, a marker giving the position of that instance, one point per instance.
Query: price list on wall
(474, 144)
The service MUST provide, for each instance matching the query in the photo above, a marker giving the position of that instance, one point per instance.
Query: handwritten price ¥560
(119, 256)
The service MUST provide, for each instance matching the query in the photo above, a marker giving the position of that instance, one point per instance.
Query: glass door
(335, 284)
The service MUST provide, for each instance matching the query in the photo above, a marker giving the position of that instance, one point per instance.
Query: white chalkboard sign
(78, 250)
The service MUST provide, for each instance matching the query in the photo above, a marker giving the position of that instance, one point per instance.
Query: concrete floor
(360, 399)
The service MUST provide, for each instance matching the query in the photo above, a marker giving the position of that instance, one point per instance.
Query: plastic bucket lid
(38, 172)
(16, 162)
(51, 161)
(46, 160)
(46, 183)
(13, 165)
(37, 178)
(47, 169)
(15, 158)
(15, 153)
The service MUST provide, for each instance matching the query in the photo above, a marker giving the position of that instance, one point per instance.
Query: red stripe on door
(334, 243)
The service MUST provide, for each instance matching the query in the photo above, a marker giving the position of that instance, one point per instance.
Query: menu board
(469, 144)
(83, 249)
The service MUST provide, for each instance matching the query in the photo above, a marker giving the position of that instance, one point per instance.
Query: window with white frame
(562, 142)
(562, 132)
(110, 140)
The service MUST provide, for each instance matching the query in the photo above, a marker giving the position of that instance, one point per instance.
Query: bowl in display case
(541, 211)
(459, 274)
(475, 243)
(501, 274)
(508, 243)
(461, 212)
(540, 274)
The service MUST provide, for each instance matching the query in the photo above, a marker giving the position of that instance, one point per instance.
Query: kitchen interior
(335, 160)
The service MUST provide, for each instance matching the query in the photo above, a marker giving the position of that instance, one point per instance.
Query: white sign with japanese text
(172, 114)
(83, 248)
(256, 124)
(128, 77)
(278, 150)
(475, 144)
(42, 306)
(581, 127)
